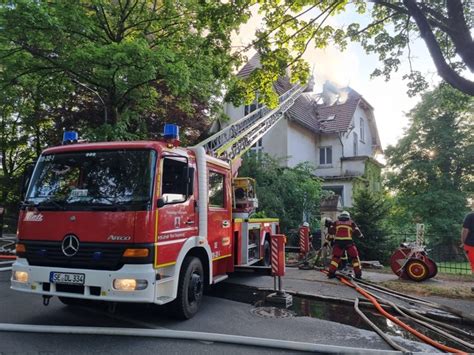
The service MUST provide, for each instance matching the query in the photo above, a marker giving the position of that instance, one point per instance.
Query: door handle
(190, 222)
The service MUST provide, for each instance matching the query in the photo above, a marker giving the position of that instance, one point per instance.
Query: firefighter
(343, 230)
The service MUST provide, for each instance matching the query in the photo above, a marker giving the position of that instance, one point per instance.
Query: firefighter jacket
(344, 230)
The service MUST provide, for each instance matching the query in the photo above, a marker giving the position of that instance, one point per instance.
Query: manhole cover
(271, 312)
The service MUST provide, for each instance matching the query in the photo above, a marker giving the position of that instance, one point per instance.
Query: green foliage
(291, 27)
(369, 211)
(112, 70)
(123, 61)
(285, 193)
(431, 166)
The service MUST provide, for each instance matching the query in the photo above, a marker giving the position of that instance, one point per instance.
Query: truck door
(176, 208)
(219, 213)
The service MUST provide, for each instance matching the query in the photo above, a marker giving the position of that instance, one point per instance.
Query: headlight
(20, 276)
(130, 284)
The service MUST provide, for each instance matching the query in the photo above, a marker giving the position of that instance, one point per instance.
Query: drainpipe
(342, 145)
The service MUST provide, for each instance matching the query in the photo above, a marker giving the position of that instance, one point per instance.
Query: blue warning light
(171, 131)
(70, 137)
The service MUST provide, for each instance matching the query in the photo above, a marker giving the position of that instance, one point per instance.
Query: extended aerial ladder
(237, 138)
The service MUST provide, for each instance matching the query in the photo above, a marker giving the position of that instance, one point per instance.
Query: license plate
(67, 278)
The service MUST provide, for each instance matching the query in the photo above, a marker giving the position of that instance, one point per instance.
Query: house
(335, 131)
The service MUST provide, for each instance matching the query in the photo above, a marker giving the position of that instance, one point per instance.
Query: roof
(342, 113)
(250, 66)
(317, 117)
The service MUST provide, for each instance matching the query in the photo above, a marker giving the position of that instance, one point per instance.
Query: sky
(353, 68)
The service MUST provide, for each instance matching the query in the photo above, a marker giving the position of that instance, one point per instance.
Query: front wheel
(190, 289)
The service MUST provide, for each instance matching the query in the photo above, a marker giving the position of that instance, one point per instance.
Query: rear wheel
(190, 288)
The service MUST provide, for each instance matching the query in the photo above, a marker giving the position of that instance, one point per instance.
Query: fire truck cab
(142, 221)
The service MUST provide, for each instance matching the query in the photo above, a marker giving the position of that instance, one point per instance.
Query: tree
(285, 193)
(369, 212)
(431, 166)
(291, 26)
(124, 59)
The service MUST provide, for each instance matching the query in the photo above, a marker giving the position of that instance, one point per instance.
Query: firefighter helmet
(305, 224)
(344, 215)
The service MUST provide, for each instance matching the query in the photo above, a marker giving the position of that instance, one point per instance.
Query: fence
(449, 258)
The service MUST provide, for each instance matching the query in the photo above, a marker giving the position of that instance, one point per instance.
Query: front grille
(97, 256)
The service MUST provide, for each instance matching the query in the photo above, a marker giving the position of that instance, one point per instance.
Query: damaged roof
(312, 113)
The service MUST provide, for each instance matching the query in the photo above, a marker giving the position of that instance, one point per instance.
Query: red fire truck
(147, 221)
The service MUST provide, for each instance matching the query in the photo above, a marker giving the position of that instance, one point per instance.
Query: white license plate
(67, 278)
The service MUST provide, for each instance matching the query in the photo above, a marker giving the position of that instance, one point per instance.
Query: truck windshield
(108, 179)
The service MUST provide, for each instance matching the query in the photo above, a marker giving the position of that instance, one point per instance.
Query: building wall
(275, 142)
(233, 112)
(301, 145)
(347, 195)
(364, 147)
(333, 169)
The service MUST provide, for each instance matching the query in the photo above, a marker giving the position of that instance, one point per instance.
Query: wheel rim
(417, 270)
(195, 287)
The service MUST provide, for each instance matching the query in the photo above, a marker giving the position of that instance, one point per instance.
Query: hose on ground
(377, 329)
(190, 335)
(417, 300)
(399, 322)
(423, 323)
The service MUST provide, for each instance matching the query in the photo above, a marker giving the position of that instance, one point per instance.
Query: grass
(458, 290)
(452, 267)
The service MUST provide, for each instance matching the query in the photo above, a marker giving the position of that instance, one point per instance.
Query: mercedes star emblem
(70, 245)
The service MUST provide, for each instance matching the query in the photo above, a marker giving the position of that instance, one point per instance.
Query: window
(216, 189)
(173, 186)
(362, 130)
(355, 144)
(325, 155)
(252, 107)
(84, 180)
(258, 147)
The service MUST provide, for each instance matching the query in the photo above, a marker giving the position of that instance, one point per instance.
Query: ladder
(234, 140)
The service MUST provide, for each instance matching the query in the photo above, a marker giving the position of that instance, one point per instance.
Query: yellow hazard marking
(166, 264)
(221, 257)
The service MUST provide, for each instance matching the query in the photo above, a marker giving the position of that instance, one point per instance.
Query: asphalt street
(216, 316)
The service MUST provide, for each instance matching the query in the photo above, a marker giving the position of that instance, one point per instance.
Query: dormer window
(330, 118)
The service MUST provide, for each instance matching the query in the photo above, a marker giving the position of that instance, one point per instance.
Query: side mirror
(160, 202)
(25, 179)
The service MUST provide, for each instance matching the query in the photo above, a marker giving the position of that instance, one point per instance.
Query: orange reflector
(20, 248)
(136, 253)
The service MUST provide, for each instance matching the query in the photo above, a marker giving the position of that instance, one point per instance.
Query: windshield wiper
(43, 205)
(50, 205)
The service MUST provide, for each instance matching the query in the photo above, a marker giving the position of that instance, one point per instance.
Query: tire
(417, 270)
(190, 289)
(267, 256)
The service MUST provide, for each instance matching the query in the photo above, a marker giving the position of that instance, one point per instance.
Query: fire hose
(395, 320)
(190, 335)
